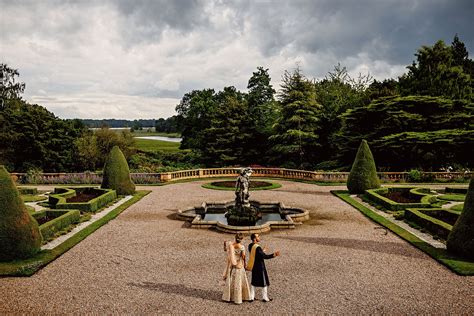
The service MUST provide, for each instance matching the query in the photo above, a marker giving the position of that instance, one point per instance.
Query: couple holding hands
(237, 287)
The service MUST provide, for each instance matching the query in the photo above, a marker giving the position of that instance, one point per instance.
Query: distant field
(146, 133)
(156, 145)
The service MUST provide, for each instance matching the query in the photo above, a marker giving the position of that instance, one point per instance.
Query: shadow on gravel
(368, 245)
(179, 289)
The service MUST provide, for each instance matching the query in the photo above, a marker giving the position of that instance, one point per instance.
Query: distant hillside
(119, 123)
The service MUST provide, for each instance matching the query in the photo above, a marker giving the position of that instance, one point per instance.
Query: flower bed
(101, 197)
(53, 221)
(420, 198)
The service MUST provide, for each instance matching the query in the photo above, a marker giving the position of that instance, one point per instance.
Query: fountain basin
(274, 215)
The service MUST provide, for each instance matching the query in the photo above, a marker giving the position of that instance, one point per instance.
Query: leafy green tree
(440, 70)
(195, 112)
(363, 174)
(94, 146)
(20, 237)
(337, 93)
(410, 132)
(32, 137)
(226, 137)
(461, 239)
(261, 115)
(295, 141)
(9, 87)
(117, 174)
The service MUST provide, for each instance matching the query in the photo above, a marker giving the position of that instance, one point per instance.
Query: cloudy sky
(135, 59)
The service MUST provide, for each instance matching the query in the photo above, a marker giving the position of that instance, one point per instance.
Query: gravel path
(146, 262)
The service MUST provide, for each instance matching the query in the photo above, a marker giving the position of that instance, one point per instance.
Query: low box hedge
(62, 219)
(93, 205)
(376, 195)
(456, 190)
(60, 195)
(422, 218)
(27, 190)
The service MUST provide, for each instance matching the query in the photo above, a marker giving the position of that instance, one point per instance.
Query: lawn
(156, 145)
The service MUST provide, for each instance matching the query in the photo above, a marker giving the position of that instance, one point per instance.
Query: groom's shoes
(269, 300)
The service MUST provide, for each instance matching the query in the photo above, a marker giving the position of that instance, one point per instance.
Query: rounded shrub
(461, 239)
(20, 237)
(363, 174)
(117, 174)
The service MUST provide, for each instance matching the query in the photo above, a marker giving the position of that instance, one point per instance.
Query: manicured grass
(146, 133)
(459, 265)
(33, 198)
(156, 145)
(29, 266)
(452, 197)
(458, 207)
(271, 186)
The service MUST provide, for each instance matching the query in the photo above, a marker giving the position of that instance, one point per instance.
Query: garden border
(458, 265)
(30, 266)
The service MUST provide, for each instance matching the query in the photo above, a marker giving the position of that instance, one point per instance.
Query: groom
(256, 264)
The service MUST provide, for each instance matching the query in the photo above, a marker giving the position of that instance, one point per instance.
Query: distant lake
(164, 138)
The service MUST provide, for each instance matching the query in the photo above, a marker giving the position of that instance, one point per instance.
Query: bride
(236, 284)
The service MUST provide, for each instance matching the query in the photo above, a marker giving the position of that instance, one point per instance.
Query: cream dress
(236, 288)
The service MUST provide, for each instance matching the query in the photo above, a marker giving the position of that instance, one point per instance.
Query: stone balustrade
(154, 178)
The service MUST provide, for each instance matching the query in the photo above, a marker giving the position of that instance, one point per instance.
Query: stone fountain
(242, 214)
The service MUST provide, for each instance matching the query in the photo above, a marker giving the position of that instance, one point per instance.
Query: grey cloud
(390, 30)
(145, 20)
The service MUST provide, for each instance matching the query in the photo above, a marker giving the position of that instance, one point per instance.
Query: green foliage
(94, 146)
(30, 266)
(337, 93)
(440, 70)
(50, 140)
(261, 115)
(226, 136)
(363, 174)
(295, 138)
(195, 112)
(10, 88)
(461, 239)
(169, 125)
(117, 174)
(415, 175)
(162, 161)
(61, 220)
(19, 233)
(411, 132)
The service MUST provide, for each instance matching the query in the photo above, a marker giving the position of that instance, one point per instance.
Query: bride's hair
(239, 237)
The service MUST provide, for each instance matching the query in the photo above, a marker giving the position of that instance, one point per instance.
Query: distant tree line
(424, 119)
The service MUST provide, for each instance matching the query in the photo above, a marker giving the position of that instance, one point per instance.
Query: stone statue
(243, 214)
(242, 188)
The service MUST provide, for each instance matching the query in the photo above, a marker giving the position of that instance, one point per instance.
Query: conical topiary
(117, 174)
(461, 239)
(363, 174)
(20, 237)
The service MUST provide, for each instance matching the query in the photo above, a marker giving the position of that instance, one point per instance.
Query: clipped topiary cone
(20, 237)
(461, 239)
(117, 173)
(363, 174)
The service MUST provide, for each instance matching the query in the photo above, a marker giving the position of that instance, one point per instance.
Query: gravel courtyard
(144, 261)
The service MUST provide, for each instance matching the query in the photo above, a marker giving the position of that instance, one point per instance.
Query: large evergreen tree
(440, 70)
(411, 132)
(195, 112)
(261, 114)
(226, 137)
(295, 141)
